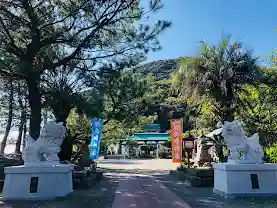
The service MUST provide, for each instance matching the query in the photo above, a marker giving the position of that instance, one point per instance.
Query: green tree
(116, 131)
(271, 153)
(220, 73)
(161, 102)
(66, 89)
(122, 97)
(119, 97)
(259, 110)
(46, 34)
(22, 108)
(9, 85)
(113, 132)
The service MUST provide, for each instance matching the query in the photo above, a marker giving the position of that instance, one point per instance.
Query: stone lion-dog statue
(45, 149)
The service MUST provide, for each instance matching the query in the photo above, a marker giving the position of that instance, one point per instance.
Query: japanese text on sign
(95, 138)
(176, 132)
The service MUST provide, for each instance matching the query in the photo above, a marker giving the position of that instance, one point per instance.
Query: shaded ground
(204, 197)
(100, 196)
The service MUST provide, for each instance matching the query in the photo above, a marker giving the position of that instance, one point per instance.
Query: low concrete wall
(114, 157)
(195, 177)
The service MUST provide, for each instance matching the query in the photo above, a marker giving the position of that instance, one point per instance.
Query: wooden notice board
(176, 139)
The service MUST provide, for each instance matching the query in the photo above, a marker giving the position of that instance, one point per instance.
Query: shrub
(271, 153)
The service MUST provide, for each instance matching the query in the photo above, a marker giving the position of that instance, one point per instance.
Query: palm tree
(220, 72)
(67, 89)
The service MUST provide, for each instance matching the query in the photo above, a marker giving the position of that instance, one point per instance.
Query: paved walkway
(154, 164)
(144, 192)
(138, 187)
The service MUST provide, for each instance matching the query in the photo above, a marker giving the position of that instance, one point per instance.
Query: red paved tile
(145, 192)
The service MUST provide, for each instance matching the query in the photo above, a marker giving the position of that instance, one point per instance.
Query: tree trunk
(34, 98)
(61, 114)
(10, 117)
(20, 133)
(226, 104)
(45, 117)
(229, 102)
(22, 121)
(24, 134)
(66, 148)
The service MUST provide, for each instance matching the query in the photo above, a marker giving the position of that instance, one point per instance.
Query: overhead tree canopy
(47, 34)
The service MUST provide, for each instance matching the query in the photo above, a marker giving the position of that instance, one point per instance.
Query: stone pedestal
(38, 182)
(231, 180)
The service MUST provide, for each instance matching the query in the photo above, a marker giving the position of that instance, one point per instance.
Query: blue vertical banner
(95, 142)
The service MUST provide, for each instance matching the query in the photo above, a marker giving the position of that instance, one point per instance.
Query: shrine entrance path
(138, 186)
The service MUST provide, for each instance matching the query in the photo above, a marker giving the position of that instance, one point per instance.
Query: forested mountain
(161, 69)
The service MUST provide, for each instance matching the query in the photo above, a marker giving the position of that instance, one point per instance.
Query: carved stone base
(236, 180)
(39, 182)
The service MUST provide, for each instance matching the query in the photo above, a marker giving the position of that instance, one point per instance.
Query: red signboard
(176, 139)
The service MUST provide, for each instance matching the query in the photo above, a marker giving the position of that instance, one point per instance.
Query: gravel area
(99, 196)
(204, 197)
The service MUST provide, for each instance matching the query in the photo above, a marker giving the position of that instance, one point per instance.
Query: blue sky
(251, 21)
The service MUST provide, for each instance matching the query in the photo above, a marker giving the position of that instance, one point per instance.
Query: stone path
(138, 186)
(144, 192)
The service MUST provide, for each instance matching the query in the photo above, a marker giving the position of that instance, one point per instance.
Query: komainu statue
(46, 148)
(243, 150)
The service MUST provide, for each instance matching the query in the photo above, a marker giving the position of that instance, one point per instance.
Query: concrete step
(79, 174)
(199, 172)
